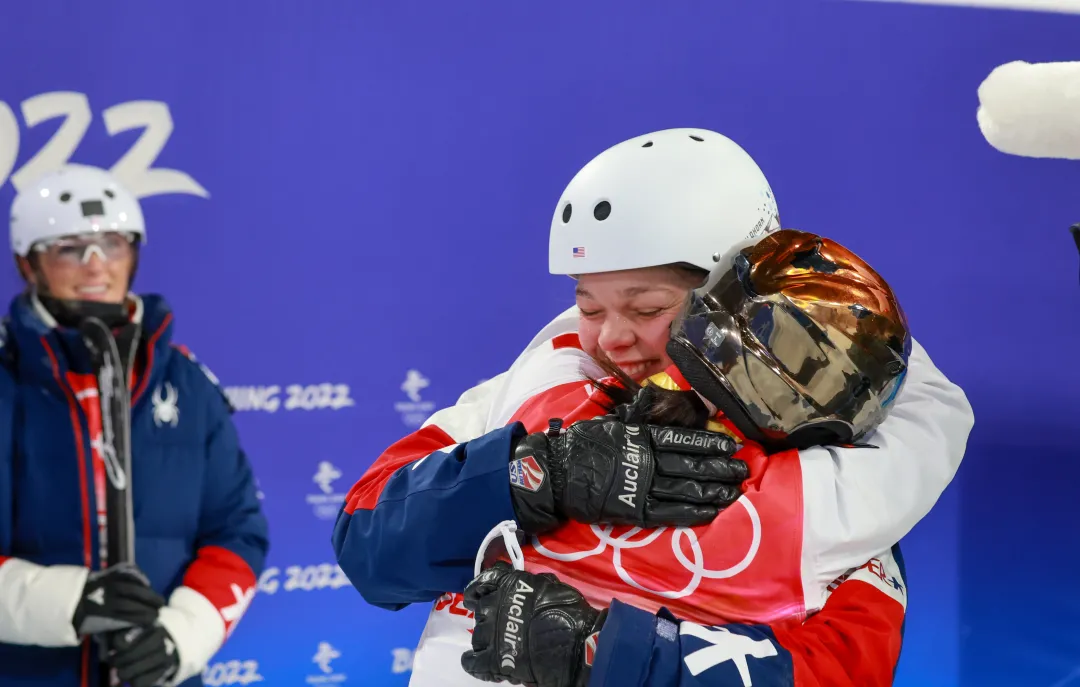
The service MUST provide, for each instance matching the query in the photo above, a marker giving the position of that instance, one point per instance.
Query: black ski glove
(609, 471)
(143, 656)
(116, 598)
(530, 629)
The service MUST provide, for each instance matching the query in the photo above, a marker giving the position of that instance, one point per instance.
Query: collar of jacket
(44, 352)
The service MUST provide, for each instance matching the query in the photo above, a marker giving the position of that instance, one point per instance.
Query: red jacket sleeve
(856, 638)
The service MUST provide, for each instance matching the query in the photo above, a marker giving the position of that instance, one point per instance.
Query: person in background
(201, 537)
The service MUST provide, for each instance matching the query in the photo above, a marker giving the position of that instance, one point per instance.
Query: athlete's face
(95, 269)
(627, 316)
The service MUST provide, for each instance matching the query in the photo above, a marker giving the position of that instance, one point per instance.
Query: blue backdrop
(361, 193)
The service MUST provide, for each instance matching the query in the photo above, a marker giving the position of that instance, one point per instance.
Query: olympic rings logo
(695, 566)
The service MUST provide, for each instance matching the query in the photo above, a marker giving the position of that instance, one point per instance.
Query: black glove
(530, 629)
(143, 656)
(116, 598)
(605, 470)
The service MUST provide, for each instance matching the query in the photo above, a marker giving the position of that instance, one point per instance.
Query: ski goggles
(71, 251)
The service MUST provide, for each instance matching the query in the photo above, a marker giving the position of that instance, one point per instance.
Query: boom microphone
(1032, 110)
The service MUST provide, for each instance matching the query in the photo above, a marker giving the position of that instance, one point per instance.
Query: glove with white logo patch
(143, 656)
(116, 598)
(609, 471)
(530, 629)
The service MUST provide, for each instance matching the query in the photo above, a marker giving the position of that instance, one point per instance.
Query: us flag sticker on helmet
(526, 473)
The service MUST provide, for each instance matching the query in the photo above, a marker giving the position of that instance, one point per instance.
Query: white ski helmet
(673, 196)
(76, 199)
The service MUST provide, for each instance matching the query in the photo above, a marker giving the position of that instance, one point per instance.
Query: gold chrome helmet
(799, 343)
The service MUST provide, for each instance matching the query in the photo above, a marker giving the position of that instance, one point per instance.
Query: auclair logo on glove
(526, 473)
(631, 462)
(703, 440)
(520, 609)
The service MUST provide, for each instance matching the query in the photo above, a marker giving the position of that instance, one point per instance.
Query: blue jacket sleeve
(231, 516)
(410, 529)
(639, 649)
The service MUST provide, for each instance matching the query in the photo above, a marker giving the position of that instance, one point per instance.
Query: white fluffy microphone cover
(1032, 110)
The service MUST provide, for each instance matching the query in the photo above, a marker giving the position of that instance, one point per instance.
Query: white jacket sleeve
(465, 420)
(37, 602)
(859, 501)
(195, 625)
